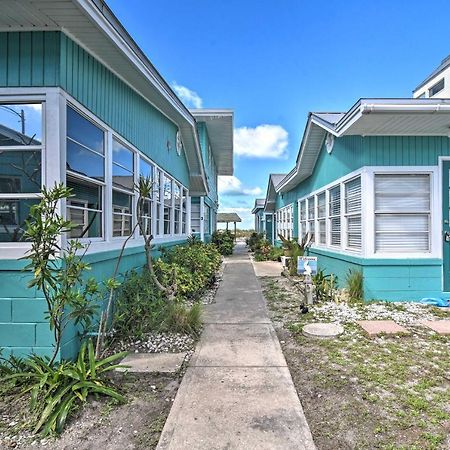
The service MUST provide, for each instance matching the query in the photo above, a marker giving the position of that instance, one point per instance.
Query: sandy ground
(388, 393)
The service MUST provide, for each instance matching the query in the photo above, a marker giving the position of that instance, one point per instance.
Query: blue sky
(274, 61)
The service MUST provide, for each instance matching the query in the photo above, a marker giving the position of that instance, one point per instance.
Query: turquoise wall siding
(23, 327)
(29, 58)
(353, 152)
(383, 279)
(51, 59)
(113, 101)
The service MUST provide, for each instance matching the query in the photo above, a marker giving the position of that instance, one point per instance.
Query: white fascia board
(146, 68)
(214, 113)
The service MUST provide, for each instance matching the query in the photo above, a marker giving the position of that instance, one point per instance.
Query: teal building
(371, 187)
(80, 103)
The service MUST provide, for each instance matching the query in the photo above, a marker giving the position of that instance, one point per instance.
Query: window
(311, 227)
(353, 213)
(122, 205)
(168, 208)
(436, 88)
(302, 219)
(402, 212)
(158, 197)
(184, 212)
(334, 214)
(177, 206)
(285, 217)
(206, 220)
(20, 166)
(85, 175)
(321, 219)
(123, 187)
(195, 217)
(146, 172)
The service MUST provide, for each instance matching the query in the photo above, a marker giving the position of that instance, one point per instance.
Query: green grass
(401, 385)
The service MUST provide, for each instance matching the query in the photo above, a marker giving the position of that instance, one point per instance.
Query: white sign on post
(307, 265)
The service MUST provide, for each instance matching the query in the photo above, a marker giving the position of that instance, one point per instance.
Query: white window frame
(116, 242)
(103, 184)
(53, 167)
(18, 249)
(322, 219)
(435, 210)
(132, 193)
(285, 221)
(367, 211)
(346, 215)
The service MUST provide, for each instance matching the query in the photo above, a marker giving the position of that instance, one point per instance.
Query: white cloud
(263, 141)
(231, 185)
(190, 98)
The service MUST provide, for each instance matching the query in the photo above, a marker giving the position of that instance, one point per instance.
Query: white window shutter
(402, 212)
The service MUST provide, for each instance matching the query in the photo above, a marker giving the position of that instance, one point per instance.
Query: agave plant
(57, 390)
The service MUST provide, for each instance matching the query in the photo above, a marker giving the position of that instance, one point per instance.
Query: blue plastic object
(441, 302)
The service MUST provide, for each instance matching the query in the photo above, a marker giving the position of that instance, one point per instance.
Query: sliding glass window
(123, 187)
(20, 166)
(85, 175)
(146, 172)
(167, 205)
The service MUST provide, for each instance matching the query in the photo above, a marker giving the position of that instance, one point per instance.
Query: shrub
(325, 285)
(197, 265)
(57, 390)
(224, 240)
(275, 254)
(138, 307)
(254, 241)
(354, 281)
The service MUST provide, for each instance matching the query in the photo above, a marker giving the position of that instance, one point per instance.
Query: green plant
(182, 318)
(57, 390)
(254, 241)
(138, 306)
(325, 285)
(59, 273)
(275, 254)
(294, 248)
(355, 285)
(224, 240)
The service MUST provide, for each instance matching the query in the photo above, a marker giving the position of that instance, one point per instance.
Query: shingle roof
(228, 217)
(276, 178)
(331, 118)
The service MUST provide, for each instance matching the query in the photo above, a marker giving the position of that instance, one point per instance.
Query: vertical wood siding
(353, 152)
(29, 58)
(113, 101)
(48, 59)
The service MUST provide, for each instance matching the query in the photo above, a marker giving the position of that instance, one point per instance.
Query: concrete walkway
(237, 392)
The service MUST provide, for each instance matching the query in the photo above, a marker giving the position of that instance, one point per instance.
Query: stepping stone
(153, 362)
(439, 326)
(322, 330)
(373, 328)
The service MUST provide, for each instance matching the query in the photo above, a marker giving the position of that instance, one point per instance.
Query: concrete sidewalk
(237, 392)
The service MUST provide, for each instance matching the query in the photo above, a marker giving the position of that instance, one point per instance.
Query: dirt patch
(101, 424)
(358, 393)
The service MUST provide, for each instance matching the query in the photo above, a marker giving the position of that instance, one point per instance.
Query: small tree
(58, 272)
(144, 189)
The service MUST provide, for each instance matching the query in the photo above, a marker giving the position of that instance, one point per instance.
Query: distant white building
(437, 84)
